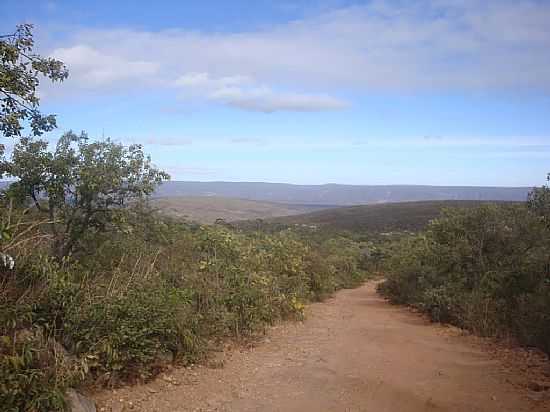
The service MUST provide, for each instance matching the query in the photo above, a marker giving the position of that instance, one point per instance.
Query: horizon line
(348, 184)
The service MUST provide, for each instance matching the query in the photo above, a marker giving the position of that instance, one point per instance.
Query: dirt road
(354, 352)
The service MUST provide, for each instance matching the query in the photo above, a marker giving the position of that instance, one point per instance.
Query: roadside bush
(532, 321)
(121, 336)
(343, 256)
(35, 371)
(407, 270)
(486, 269)
(321, 276)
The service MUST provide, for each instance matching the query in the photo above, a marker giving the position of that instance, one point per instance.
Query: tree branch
(36, 202)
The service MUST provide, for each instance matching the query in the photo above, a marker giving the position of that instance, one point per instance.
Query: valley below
(208, 209)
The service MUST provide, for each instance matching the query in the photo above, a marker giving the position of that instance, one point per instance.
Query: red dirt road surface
(354, 352)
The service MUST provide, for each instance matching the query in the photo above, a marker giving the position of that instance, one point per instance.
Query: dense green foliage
(486, 269)
(158, 291)
(82, 186)
(20, 71)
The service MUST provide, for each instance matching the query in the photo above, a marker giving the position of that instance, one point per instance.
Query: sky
(437, 92)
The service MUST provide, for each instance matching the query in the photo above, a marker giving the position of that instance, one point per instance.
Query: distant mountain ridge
(339, 195)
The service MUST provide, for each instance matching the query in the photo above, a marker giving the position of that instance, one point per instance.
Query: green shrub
(485, 269)
(121, 336)
(532, 321)
(35, 372)
(321, 281)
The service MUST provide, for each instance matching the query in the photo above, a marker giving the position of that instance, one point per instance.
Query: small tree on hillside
(20, 70)
(82, 186)
(539, 201)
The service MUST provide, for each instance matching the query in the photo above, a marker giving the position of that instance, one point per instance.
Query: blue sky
(440, 92)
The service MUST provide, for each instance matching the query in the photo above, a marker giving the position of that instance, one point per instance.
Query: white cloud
(205, 81)
(91, 67)
(263, 99)
(428, 45)
(242, 92)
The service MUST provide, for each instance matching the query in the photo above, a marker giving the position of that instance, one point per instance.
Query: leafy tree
(82, 186)
(20, 70)
(539, 201)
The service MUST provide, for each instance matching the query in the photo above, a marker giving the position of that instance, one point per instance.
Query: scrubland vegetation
(96, 289)
(486, 269)
(151, 292)
(371, 218)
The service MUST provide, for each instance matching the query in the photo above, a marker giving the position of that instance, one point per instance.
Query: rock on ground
(78, 402)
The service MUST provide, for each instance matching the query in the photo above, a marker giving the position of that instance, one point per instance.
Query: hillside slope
(375, 218)
(204, 209)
